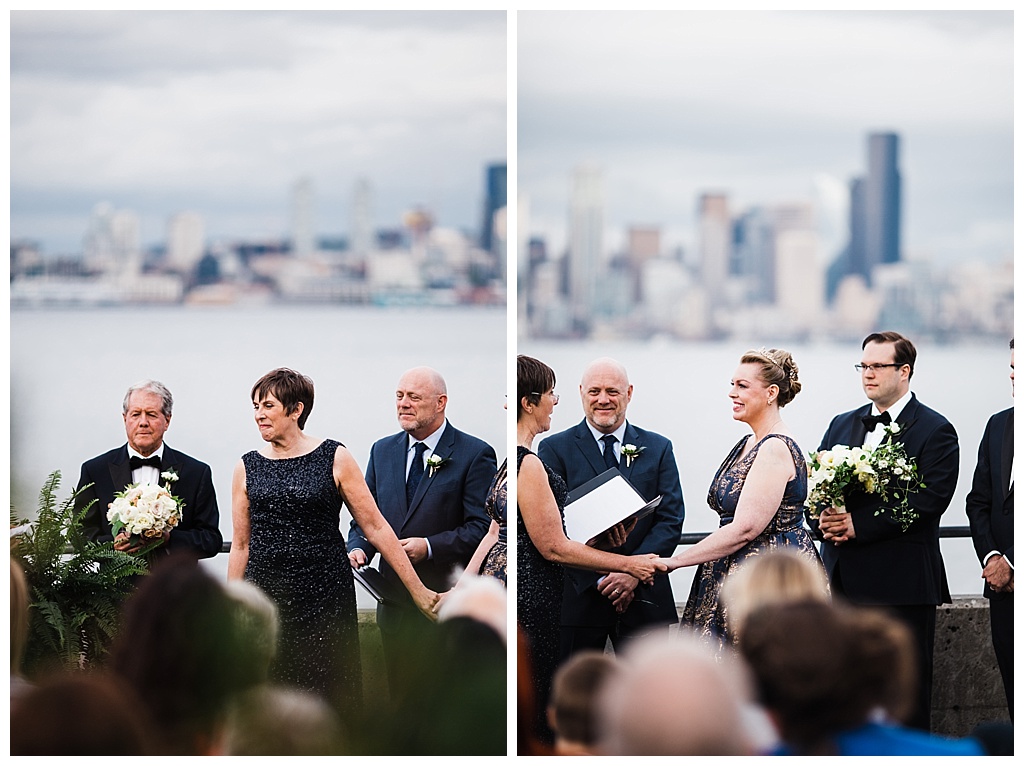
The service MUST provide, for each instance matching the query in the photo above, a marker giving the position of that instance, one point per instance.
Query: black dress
(539, 585)
(704, 610)
(495, 563)
(297, 556)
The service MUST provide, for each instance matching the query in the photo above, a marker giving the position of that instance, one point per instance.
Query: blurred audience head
(820, 668)
(80, 714)
(177, 647)
(257, 627)
(775, 577)
(574, 691)
(479, 598)
(268, 720)
(672, 697)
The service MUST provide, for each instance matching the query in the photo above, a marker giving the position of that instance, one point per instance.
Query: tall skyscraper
(362, 219)
(185, 241)
(715, 241)
(495, 198)
(586, 240)
(882, 199)
(303, 214)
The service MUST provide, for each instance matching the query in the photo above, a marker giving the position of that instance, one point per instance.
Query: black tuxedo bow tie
(137, 462)
(870, 421)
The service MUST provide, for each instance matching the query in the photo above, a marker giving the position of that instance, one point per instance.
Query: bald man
(597, 608)
(430, 481)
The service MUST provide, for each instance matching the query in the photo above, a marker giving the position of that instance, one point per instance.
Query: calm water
(69, 371)
(681, 391)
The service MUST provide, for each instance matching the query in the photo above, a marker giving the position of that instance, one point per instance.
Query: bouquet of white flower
(145, 511)
(885, 470)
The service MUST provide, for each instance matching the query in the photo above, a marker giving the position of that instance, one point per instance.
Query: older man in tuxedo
(146, 411)
(990, 512)
(430, 482)
(870, 557)
(617, 606)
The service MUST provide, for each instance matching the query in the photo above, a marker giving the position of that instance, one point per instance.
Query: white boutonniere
(435, 463)
(169, 477)
(632, 452)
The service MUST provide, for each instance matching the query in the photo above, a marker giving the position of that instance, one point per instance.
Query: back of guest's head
(480, 598)
(777, 368)
(289, 387)
(534, 378)
(268, 720)
(257, 624)
(671, 696)
(574, 691)
(776, 577)
(177, 647)
(80, 714)
(821, 668)
(19, 616)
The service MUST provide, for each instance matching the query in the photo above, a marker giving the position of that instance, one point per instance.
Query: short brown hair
(533, 379)
(289, 388)
(905, 353)
(574, 693)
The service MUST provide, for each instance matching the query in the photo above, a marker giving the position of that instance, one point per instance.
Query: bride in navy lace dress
(758, 492)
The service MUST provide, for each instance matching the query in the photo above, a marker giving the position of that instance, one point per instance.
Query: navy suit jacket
(110, 473)
(883, 564)
(990, 501)
(447, 509)
(575, 455)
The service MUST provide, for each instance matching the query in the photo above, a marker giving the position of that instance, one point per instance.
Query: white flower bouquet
(885, 470)
(145, 512)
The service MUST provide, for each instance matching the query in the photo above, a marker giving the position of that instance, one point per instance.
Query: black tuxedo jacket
(575, 455)
(883, 564)
(447, 509)
(990, 501)
(110, 473)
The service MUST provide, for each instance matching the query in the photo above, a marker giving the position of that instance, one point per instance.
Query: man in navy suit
(430, 482)
(990, 512)
(869, 557)
(617, 606)
(146, 458)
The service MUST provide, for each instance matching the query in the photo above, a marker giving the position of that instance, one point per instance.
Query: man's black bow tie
(137, 462)
(870, 421)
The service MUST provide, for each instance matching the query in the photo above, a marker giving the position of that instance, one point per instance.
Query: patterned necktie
(870, 421)
(415, 472)
(609, 451)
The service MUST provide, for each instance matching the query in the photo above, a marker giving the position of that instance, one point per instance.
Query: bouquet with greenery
(145, 511)
(885, 470)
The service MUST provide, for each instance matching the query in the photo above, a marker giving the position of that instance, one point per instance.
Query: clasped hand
(998, 575)
(836, 526)
(123, 542)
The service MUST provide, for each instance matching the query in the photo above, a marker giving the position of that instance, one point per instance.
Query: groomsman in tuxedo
(147, 414)
(596, 608)
(990, 512)
(430, 481)
(869, 557)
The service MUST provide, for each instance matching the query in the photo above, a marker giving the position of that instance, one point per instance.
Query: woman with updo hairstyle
(758, 492)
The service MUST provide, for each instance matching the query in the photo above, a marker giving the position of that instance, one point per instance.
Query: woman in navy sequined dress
(285, 504)
(758, 492)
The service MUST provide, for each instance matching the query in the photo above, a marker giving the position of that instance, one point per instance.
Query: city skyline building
(495, 198)
(186, 241)
(586, 240)
(303, 219)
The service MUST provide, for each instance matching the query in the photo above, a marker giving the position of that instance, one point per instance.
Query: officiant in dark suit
(870, 558)
(990, 512)
(430, 481)
(147, 410)
(617, 606)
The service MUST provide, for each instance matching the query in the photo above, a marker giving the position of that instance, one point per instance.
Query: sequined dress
(539, 585)
(704, 612)
(495, 563)
(297, 556)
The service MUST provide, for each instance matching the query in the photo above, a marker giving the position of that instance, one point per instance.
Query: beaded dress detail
(496, 561)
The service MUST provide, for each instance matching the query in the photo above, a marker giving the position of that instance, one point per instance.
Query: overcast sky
(222, 112)
(770, 107)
